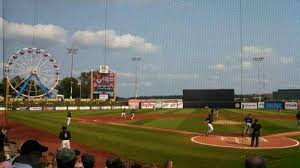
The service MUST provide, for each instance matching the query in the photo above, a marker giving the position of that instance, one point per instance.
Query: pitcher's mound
(268, 142)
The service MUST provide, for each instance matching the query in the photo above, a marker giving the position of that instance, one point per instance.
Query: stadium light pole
(72, 51)
(137, 60)
(259, 60)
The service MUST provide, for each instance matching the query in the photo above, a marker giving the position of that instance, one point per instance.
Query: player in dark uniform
(298, 118)
(248, 123)
(65, 137)
(132, 114)
(256, 131)
(69, 118)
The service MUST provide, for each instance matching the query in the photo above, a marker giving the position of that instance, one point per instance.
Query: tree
(64, 87)
(85, 84)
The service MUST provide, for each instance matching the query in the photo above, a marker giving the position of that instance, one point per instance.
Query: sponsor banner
(61, 108)
(22, 108)
(116, 107)
(180, 105)
(261, 105)
(103, 69)
(105, 107)
(48, 108)
(146, 105)
(134, 103)
(103, 97)
(237, 105)
(2, 108)
(291, 105)
(169, 105)
(72, 108)
(104, 82)
(35, 108)
(84, 108)
(249, 105)
(274, 105)
(125, 107)
(95, 108)
(158, 105)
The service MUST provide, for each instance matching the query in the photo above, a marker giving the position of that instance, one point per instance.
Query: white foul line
(263, 139)
(222, 138)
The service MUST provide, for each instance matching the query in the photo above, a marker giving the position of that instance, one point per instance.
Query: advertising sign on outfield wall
(158, 105)
(116, 107)
(72, 108)
(125, 107)
(169, 105)
(249, 105)
(273, 105)
(291, 105)
(48, 108)
(95, 107)
(61, 108)
(105, 107)
(35, 108)
(261, 105)
(84, 108)
(180, 105)
(2, 108)
(146, 105)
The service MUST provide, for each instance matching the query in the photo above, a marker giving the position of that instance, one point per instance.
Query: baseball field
(166, 134)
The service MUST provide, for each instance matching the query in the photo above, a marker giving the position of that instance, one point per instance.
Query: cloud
(178, 76)
(24, 32)
(114, 41)
(125, 74)
(286, 60)
(253, 51)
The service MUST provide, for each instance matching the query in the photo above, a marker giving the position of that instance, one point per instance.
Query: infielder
(248, 123)
(65, 137)
(132, 114)
(123, 114)
(209, 121)
(69, 118)
(298, 118)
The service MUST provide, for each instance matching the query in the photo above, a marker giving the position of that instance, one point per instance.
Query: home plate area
(268, 142)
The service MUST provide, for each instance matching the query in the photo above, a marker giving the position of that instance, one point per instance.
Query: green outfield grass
(156, 147)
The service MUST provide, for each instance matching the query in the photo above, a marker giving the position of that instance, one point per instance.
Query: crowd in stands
(32, 154)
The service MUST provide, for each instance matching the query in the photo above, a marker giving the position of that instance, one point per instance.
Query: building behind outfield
(212, 98)
(287, 94)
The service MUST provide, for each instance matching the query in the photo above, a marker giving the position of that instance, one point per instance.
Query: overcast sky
(182, 43)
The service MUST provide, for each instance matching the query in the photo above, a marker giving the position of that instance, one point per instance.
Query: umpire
(256, 131)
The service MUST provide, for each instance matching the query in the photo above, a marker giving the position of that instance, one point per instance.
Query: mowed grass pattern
(156, 147)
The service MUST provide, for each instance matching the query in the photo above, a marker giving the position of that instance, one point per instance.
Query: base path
(267, 142)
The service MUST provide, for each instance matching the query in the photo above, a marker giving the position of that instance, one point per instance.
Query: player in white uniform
(123, 114)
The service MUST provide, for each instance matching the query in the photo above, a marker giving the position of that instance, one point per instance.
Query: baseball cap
(65, 155)
(31, 146)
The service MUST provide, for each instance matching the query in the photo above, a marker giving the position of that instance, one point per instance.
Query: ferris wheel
(32, 73)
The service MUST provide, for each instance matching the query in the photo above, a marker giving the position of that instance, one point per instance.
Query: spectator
(255, 162)
(65, 137)
(116, 163)
(3, 162)
(168, 164)
(66, 158)
(30, 155)
(88, 161)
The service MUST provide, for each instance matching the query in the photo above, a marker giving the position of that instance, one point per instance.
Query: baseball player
(298, 118)
(123, 114)
(132, 114)
(65, 136)
(209, 121)
(69, 118)
(217, 111)
(256, 131)
(248, 123)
